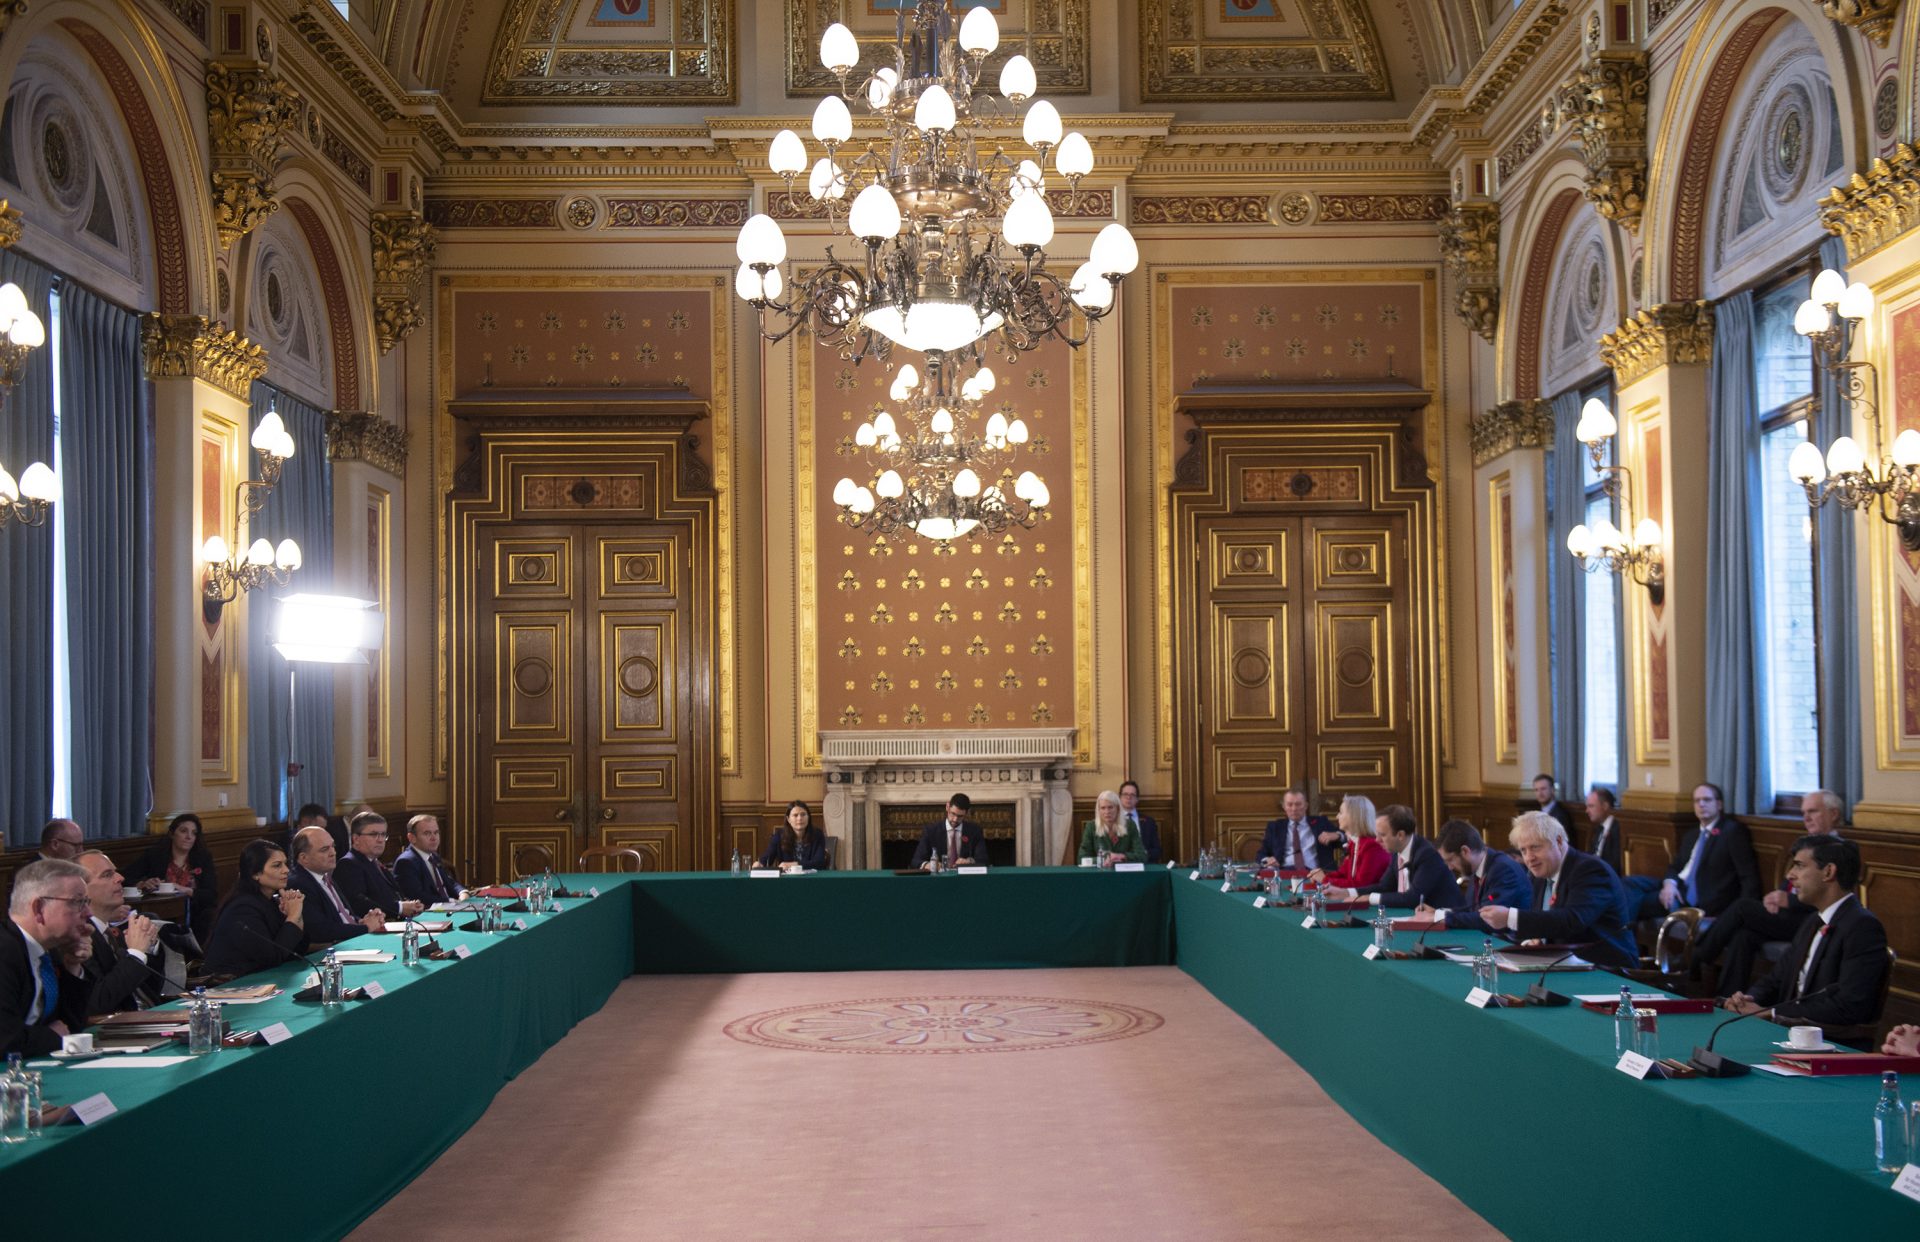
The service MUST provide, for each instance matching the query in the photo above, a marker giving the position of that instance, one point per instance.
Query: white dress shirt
(1405, 858)
(1546, 898)
(37, 1010)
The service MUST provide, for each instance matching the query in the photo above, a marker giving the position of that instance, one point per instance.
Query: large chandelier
(955, 230)
(1844, 473)
(932, 472)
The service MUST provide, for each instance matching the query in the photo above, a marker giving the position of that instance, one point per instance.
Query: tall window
(1786, 616)
(1599, 605)
(62, 682)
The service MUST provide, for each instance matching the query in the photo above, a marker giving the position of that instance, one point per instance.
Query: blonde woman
(1108, 827)
(1366, 859)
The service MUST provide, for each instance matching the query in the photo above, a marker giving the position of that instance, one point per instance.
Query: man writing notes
(1715, 865)
(1299, 841)
(1576, 899)
(955, 838)
(1418, 876)
(1489, 877)
(1839, 955)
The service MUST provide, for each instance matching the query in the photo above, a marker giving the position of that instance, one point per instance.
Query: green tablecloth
(334, 1121)
(1520, 1112)
(693, 923)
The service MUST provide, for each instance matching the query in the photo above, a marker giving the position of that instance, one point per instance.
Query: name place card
(1130, 866)
(971, 870)
(374, 989)
(93, 1108)
(1633, 1065)
(1372, 951)
(1479, 998)
(593, 892)
(275, 1034)
(463, 951)
(1908, 1183)
(1307, 922)
(1194, 876)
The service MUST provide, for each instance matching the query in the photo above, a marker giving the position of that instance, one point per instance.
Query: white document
(132, 1063)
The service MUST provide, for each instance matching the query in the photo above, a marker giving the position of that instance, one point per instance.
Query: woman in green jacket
(1121, 838)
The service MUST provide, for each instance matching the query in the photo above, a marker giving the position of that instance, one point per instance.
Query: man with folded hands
(329, 918)
(1840, 952)
(1418, 876)
(363, 879)
(39, 1000)
(1576, 898)
(1487, 877)
(122, 971)
(1298, 841)
(421, 873)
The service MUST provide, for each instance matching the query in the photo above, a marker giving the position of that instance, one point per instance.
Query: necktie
(1806, 967)
(1299, 844)
(1403, 877)
(1698, 864)
(340, 907)
(433, 869)
(49, 987)
(953, 843)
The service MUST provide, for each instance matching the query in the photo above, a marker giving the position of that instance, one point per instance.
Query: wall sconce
(228, 574)
(28, 501)
(1607, 546)
(1829, 319)
(21, 332)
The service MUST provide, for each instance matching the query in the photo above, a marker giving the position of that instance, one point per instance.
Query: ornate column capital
(1470, 243)
(403, 246)
(1610, 107)
(1872, 18)
(1672, 332)
(357, 435)
(250, 109)
(1873, 208)
(1508, 426)
(195, 347)
(11, 225)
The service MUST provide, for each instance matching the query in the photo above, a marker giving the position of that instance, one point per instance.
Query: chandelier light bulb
(985, 379)
(1114, 252)
(1042, 128)
(1828, 287)
(1807, 466)
(884, 428)
(261, 553)
(839, 50)
(1596, 422)
(1017, 79)
(865, 436)
(761, 242)
(37, 483)
(287, 555)
(267, 434)
(772, 285)
(1017, 431)
(904, 383)
(28, 332)
(788, 155)
(997, 429)
(1580, 541)
(966, 484)
(826, 181)
(1811, 319)
(970, 390)
(1090, 290)
(1647, 534)
(1844, 456)
(746, 283)
(9, 490)
(934, 113)
(1075, 156)
(862, 501)
(1028, 222)
(1025, 180)
(1857, 302)
(832, 123)
(1040, 497)
(214, 550)
(979, 32)
(13, 304)
(880, 89)
(891, 485)
(875, 216)
(844, 491)
(942, 422)
(1906, 448)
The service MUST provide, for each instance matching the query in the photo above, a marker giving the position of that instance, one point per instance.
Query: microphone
(282, 949)
(1712, 1064)
(1539, 994)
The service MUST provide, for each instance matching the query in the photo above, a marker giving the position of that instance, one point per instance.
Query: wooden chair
(527, 850)
(610, 858)
(1681, 928)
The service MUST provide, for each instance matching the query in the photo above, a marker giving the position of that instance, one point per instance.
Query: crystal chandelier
(1606, 546)
(28, 499)
(954, 230)
(228, 574)
(932, 473)
(1844, 473)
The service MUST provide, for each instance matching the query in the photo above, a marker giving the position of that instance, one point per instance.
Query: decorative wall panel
(613, 52)
(1259, 50)
(219, 677)
(1053, 34)
(1652, 625)
(379, 589)
(1506, 693)
(1896, 580)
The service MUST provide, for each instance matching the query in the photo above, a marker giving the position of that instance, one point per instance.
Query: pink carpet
(1053, 1104)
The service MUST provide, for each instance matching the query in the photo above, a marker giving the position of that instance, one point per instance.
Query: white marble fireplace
(1027, 767)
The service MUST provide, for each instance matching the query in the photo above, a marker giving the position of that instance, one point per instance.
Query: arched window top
(283, 303)
(1583, 303)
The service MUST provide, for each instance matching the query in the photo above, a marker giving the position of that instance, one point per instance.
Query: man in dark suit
(123, 971)
(955, 838)
(1486, 876)
(329, 918)
(1143, 824)
(1298, 841)
(1737, 936)
(1841, 946)
(1605, 842)
(363, 879)
(1715, 866)
(1576, 898)
(1546, 793)
(39, 1000)
(420, 872)
(1418, 876)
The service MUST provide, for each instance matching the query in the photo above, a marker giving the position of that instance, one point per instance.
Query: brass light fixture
(228, 573)
(1606, 546)
(29, 499)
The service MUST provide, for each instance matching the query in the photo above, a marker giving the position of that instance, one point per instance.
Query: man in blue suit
(1298, 841)
(1576, 899)
(1418, 876)
(1149, 831)
(1486, 876)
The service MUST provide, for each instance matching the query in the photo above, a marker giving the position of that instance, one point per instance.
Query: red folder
(1415, 925)
(1674, 1004)
(1822, 1064)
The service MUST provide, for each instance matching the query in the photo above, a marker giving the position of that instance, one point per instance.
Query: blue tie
(49, 987)
(1693, 881)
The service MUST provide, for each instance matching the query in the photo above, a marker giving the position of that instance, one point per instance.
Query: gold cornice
(369, 80)
(1470, 244)
(357, 435)
(1670, 333)
(1610, 109)
(195, 347)
(403, 246)
(11, 225)
(1513, 52)
(1876, 207)
(1872, 18)
(1508, 426)
(250, 111)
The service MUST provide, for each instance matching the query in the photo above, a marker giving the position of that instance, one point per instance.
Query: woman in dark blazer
(261, 917)
(179, 859)
(798, 844)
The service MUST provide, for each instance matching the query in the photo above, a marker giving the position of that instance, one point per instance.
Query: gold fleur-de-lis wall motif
(848, 582)
(946, 614)
(1009, 612)
(913, 581)
(914, 715)
(850, 649)
(1041, 645)
(881, 682)
(976, 581)
(978, 647)
(1041, 578)
(913, 650)
(850, 716)
(1042, 714)
(1007, 546)
(945, 682)
(880, 547)
(978, 715)
(881, 615)
(1010, 680)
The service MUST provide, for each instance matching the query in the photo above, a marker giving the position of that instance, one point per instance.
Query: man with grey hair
(1736, 938)
(1577, 899)
(39, 1000)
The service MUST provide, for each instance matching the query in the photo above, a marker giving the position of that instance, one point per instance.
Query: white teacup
(1806, 1037)
(74, 1044)
(1089, 862)
(130, 893)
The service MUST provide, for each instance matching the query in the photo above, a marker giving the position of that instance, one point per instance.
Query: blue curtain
(301, 509)
(106, 452)
(1735, 703)
(1566, 503)
(1840, 721)
(26, 586)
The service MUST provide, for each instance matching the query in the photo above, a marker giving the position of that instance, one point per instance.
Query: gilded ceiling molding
(403, 244)
(492, 213)
(1670, 333)
(677, 213)
(1610, 108)
(368, 80)
(541, 51)
(250, 111)
(11, 225)
(1508, 426)
(189, 13)
(1563, 107)
(1185, 56)
(356, 435)
(1515, 50)
(1872, 18)
(1470, 244)
(1058, 40)
(1199, 209)
(195, 347)
(1380, 208)
(1874, 208)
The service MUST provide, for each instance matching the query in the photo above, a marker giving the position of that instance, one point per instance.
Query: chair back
(531, 858)
(832, 843)
(611, 858)
(1682, 928)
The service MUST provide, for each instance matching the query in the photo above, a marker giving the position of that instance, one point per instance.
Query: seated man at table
(363, 879)
(123, 970)
(1839, 957)
(1418, 875)
(1143, 824)
(955, 838)
(1715, 866)
(1488, 876)
(329, 918)
(1576, 899)
(1298, 841)
(1737, 936)
(420, 871)
(39, 1000)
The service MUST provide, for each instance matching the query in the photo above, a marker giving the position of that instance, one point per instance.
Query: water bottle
(1317, 906)
(1891, 1143)
(14, 1121)
(409, 945)
(1623, 1024)
(35, 1102)
(1101, 857)
(1486, 973)
(1382, 929)
(331, 979)
(736, 864)
(203, 1023)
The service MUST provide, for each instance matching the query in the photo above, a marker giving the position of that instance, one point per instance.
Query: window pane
(1782, 358)
(1785, 631)
(1600, 693)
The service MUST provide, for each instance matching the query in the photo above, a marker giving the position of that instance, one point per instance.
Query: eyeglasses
(78, 903)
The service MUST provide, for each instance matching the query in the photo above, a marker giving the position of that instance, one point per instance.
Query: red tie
(1300, 845)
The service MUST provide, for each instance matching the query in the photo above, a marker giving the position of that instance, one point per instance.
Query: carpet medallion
(943, 1025)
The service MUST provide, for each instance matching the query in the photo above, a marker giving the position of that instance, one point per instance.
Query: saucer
(1792, 1047)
